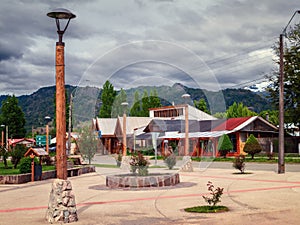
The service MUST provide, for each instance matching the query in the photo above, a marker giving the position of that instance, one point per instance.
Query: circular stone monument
(134, 181)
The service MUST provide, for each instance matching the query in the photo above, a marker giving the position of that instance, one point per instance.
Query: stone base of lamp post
(62, 206)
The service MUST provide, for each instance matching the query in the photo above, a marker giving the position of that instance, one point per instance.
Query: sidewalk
(261, 197)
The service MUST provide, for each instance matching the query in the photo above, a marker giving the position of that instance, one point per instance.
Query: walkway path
(260, 197)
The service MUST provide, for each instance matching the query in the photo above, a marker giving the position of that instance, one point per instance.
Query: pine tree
(239, 110)
(136, 109)
(224, 145)
(108, 98)
(252, 146)
(145, 104)
(13, 117)
(154, 100)
(201, 105)
(118, 109)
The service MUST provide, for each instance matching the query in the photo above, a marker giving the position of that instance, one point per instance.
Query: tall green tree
(13, 117)
(118, 109)
(291, 69)
(201, 105)
(108, 98)
(87, 143)
(154, 100)
(271, 115)
(145, 104)
(136, 109)
(239, 110)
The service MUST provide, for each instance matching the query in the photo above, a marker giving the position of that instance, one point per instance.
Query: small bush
(216, 194)
(239, 163)
(252, 146)
(17, 154)
(118, 158)
(25, 164)
(170, 161)
(224, 145)
(140, 164)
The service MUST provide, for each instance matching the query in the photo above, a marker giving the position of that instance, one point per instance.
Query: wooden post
(47, 138)
(32, 167)
(186, 143)
(124, 135)
(2, 139)
(61, 159)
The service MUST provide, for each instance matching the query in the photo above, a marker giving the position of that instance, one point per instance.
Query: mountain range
(41, 103)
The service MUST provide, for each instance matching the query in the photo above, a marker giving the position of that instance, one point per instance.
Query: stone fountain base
(62, 206)
(133, 181)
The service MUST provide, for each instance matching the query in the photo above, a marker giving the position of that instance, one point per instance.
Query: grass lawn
(207, 209)
(258, 159)
(11, 171)
(106, 165)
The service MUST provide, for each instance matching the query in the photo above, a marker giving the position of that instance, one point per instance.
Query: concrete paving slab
(260, 197)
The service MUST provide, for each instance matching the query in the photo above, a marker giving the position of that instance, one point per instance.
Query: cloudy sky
(207, 44)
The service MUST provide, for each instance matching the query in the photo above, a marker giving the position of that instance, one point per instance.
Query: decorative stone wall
(24, 178)
(62, 206)
(131, 181)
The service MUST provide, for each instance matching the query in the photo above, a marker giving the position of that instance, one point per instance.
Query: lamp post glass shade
(61, 13)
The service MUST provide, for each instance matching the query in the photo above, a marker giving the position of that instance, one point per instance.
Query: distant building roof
(24, 141)
(178, 112)
(231, 123)
(106, 126)
(236, 124)
(133, 122)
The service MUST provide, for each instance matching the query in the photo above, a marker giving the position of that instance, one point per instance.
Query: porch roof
(207, 134)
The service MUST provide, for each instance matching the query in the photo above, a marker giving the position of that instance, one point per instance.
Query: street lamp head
(284, 30)
(124, 104)
(47, 119)
(61, 13)
(185, 95)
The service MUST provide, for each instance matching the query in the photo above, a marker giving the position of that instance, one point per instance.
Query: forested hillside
(41, 103)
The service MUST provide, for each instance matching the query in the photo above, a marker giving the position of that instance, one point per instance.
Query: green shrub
(224, 145)
(17, 153)
(25, 164)
(239, 163)
(170, 161)
(252, 146)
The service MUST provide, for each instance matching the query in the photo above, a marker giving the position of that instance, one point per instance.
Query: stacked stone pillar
(62, 206)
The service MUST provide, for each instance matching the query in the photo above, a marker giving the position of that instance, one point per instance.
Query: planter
(135, 181)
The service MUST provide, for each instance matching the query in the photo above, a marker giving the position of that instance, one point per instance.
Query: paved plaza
(259, 197)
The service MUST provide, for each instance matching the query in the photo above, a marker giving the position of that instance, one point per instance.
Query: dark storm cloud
(232, 40)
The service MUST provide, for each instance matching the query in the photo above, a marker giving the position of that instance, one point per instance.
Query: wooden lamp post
(57, 210)
(186, 141)
(61, 158)
(124, 150)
